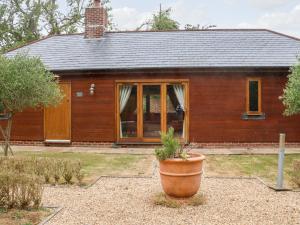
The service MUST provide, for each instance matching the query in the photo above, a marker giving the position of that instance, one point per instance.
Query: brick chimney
(96, 20)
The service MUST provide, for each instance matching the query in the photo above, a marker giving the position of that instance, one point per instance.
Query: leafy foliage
(198, 27)
(25, 83)
(161, 21)
(291, 93)
(21, 191)
(22, 21)
(51, 170)
(163, 200)
(171, 146)
(22, 179)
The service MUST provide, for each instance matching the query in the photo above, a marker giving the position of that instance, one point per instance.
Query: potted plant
(180, 172)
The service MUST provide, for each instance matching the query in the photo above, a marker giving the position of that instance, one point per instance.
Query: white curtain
(179, 91)
(125, 91)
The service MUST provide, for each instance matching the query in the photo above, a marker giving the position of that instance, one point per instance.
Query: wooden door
(58, 119)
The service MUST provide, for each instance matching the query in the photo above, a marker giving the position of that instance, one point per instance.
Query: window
(176, 109)
(147, 107)
(253, 96)
(128, 111)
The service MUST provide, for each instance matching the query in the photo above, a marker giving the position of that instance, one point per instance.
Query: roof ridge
(282, 34)
(182, 30)
(207, 30)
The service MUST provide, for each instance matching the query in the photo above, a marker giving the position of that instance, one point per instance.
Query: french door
(147, 108)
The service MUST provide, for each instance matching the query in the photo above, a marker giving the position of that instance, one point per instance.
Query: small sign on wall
(79, 94)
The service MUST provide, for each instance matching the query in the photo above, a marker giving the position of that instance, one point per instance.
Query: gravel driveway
(118, 201)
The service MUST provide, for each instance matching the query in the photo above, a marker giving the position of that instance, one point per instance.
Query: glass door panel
(151, 111)
(128, 111)
(175, 109)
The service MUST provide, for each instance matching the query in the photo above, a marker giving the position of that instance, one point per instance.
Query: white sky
(279, 15)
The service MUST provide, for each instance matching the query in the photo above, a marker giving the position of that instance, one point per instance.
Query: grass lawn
(23, 217)
(264, 166)
(95, 165)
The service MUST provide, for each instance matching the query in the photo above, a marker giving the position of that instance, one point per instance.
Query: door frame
(49, 141)
(163, 84)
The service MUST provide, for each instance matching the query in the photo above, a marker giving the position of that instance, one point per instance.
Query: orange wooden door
(58, 119)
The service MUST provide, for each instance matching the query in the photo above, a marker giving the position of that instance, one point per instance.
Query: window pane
(175, 111)
(253, 96)
(151, 111)
(128, 110)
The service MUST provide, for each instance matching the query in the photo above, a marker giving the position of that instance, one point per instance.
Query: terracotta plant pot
(181, 178)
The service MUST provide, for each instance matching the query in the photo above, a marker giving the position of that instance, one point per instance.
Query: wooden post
(281, 161)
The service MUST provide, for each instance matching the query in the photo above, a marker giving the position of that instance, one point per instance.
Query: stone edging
(154, 167)
(259, 180)
(114, 177)
(46, 220)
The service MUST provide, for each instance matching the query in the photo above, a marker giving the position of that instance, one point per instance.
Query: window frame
(163, 83)
(259, 112)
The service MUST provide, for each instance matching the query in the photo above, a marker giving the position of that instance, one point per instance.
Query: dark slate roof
(171, 49)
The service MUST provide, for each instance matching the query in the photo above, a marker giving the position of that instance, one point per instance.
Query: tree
(161, 21)
(291, 93)
(198, 27)
(24, 83)
(22, 21)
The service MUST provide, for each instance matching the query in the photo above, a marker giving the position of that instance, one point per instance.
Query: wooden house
(211, 86)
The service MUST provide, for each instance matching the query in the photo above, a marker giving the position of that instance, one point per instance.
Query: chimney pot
(97, 3)
(96, 20)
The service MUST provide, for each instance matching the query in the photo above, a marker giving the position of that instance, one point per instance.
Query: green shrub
(57, 168)
(17, 165)
(171, 146)
(68, 170)
(162, 199)
(19, 190)
(296, 172)
(38, 166)
(22, 179)
(49, 169)
(78, 171)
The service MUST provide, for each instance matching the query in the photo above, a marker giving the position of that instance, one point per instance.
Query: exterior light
(92, 89)
(56, 78)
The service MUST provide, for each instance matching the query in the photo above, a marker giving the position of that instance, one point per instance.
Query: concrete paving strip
(150, 151)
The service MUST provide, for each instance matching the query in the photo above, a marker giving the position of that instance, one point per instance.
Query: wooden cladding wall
(217, 103)
(93, 116)
(28, 125)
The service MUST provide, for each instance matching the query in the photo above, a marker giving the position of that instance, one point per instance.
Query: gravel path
(118, 201)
